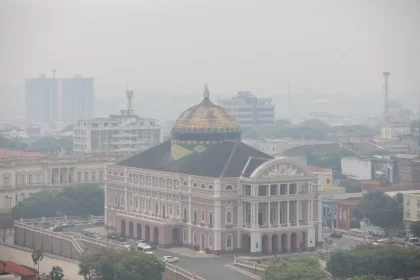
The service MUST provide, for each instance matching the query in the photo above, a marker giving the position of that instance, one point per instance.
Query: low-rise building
(324, 178)
(393, 130)
(411, 207)
(18, 271)
(22, 176)
(369, 168)
(344, 208)
(408, 168)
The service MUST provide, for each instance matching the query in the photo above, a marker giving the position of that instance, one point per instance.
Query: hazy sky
(175, 46)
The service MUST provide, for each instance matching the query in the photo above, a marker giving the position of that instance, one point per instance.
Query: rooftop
(21, 270)
(220, 160)
(5, 153)
(314, 168)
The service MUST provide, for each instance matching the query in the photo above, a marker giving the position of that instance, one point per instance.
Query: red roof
(314, 168)
(5, 153)
(18, 269)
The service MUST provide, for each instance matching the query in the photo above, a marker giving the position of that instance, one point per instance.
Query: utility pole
(386, 75)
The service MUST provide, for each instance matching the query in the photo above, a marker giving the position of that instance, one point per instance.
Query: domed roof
(206, 117)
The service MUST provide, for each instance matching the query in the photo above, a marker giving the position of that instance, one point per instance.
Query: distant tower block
(129, 94)
(386, 75)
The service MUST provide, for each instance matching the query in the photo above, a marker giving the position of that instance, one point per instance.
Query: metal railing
(182, 272)
(249, 264)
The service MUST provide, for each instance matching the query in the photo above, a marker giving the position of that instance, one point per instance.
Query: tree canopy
(113, 264)
(381, 209)
(305, 268)
(380, 260)
(415, 228)
(52, 145)
(74, 201)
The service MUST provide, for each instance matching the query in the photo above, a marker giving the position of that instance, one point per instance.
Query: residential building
(370, 168)
(77, 98)
(344, 208)
(206, 189)
(42, 99)
(24, 173)
(393, 130)
(24, 272)
(324, 178)
(411, 207)
(123, 134)
(249, 110)
(408, 168)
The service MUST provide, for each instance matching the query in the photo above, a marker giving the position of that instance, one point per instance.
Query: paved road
(23, 257)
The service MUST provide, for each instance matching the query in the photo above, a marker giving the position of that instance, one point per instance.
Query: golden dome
(206, 117)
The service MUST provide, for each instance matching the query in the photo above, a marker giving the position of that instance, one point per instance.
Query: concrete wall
(49, 244)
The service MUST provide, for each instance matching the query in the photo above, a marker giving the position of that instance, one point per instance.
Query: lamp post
(326, 249)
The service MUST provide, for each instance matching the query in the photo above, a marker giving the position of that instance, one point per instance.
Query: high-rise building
(54, 99)
(76, 98)
(248, 109)
(42, 96)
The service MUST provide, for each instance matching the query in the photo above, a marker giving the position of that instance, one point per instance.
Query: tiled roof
(21, 270)
(221, 160)
(5, 153)
(314, 168)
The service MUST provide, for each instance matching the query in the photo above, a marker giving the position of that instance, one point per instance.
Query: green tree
(37, 256)
(88, 267)
(305, 268)
(75, 201)
(6, 221)
(56, 273)
(372, 277)
(415, 229)
(381, 209)
(381, 260)
(52, 145)
(122, 265)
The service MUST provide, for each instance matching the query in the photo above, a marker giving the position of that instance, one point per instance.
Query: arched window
(210, 218)
(185, 183)
(203, 186)
(210, 187)
(121, 174)
(229, 241)
(130, 175)
(195, 239)
(195, 216)
(122, 200)
(194, 185)
(229, 217)
(203, 218)
(228, 188)
(185, 213)
(109, 172)
(115, 199)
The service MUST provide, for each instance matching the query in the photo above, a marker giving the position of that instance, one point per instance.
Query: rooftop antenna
(386, 75)
(53, 72)
(288, 99)
(129, 95)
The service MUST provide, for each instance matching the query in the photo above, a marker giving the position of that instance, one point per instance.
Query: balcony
(276, 226)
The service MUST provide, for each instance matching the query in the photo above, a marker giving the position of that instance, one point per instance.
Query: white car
(126, 244)
(170, 259)
(140, 241)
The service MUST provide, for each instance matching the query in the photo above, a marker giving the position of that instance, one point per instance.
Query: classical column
(278, 212)
(298, 205)
(125, 199)
(59, 176)
(309, 212)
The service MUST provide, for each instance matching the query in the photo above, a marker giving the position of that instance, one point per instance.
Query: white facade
(21, 177)
(249, 110)
(119, 134)
(357, 168)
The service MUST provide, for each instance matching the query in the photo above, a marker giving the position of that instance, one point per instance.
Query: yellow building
(391, 130)
(324, 180)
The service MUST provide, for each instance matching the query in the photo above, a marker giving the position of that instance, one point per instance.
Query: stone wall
(52, 244)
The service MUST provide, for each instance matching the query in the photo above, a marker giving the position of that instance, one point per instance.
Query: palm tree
(37, 256)
(56, 273)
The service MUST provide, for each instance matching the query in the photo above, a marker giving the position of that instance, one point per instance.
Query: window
(22, 179)
(30, 179)
(203, 186)
(109, 172)
(328, 181)
(93, 176)
(177, 210)
(195, 239)
(38, 178)
(210, 218)
(185, 235)
(210, 241)
(121, 174)
(195, 216)
(6, 181)
(86, 176)
(79, 177)
(202, 216)
(170, 209)
(228, 217)
(185, 183)
(229, 241)
(115, 199)
(210, 187)
(150, 205)
(185, 213)
(195, 185)
(228, 188)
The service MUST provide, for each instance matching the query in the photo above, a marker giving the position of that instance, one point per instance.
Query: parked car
(126, 245)
(335, 234)
(98, 222)
(140, 241)
(57, 229)
(170, 259)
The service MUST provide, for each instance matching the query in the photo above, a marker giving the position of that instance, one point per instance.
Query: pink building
(205, 189)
